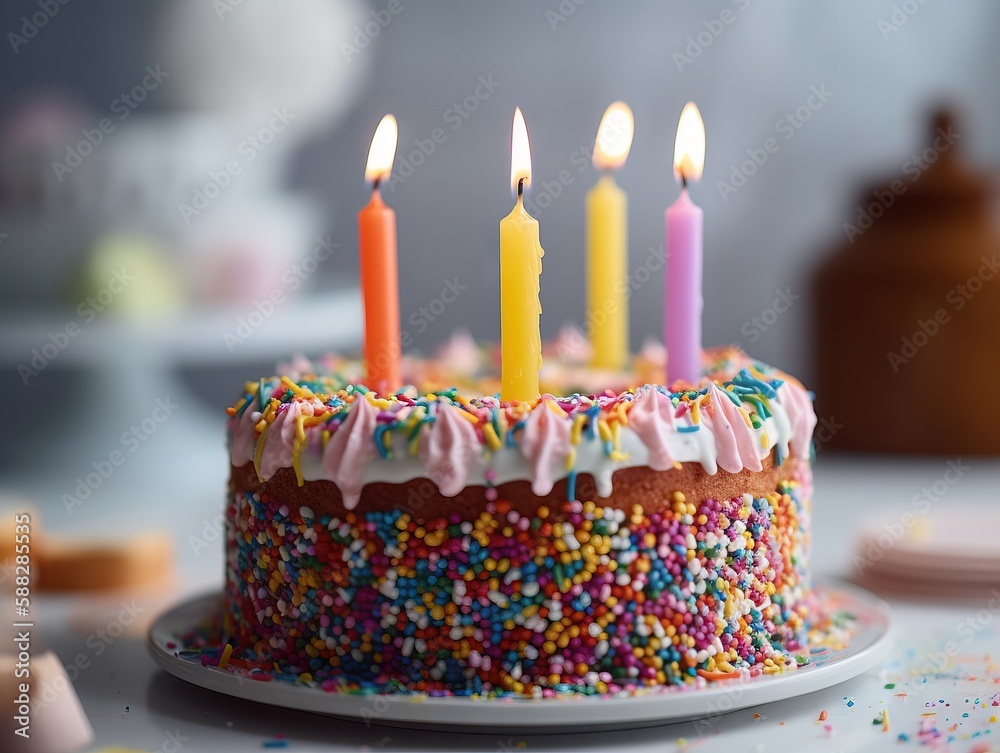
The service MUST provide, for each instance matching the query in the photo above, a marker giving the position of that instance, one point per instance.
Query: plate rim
(483, 714)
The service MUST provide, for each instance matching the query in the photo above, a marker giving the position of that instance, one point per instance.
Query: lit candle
(379, 272)
(520, 267)
(607, 243)
(684, 222)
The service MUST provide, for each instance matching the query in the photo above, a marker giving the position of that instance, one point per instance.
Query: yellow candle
(607, 244)
(520, 268)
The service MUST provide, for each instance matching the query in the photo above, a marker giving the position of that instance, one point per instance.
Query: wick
(520, 187)
(684, 180)
(375, 183)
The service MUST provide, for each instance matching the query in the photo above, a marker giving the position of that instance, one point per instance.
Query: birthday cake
(439, 540)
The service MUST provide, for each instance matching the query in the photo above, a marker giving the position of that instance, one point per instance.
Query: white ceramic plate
(864, 649)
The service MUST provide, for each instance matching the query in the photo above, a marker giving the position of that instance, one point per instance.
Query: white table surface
(186, 496)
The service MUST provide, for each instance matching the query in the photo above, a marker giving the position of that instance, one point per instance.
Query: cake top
(474, 367)
(329, 426)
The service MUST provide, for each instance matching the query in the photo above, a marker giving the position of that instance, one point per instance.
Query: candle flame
(520, 153)
(689, 147)
(383, 150)
(614, 137)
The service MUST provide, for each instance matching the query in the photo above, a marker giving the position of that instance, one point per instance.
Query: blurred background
(179, 183)
(179, 186)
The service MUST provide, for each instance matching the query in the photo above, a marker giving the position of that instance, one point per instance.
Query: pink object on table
(56, 719)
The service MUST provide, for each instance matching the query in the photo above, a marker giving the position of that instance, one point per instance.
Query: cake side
(635, 485)
(440, 544)
(572, 596)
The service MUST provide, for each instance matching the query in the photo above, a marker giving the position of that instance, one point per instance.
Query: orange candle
(379, 270)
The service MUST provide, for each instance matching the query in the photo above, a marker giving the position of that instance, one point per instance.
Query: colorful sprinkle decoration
(585, 599)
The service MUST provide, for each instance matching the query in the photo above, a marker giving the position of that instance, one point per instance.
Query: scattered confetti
(929, 731)
(226, 653)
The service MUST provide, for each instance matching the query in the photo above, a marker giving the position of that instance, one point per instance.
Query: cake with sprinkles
(440, 541)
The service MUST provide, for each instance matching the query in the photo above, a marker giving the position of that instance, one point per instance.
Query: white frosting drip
(546, 447)
(242, 440)
(802, 418)
(639, 446)
(652, 418)
(279, 441)
(445, 447)
(735, 443)
(349, 453)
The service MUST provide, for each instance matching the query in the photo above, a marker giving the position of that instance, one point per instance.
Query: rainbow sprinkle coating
(581, 599)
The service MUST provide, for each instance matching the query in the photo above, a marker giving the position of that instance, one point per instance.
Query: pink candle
(684, 224)
(682, 312)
